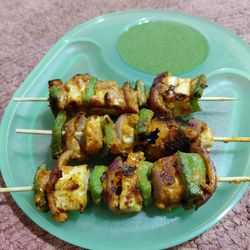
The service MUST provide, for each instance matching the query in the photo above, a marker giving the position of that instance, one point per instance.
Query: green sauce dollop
(159, 46)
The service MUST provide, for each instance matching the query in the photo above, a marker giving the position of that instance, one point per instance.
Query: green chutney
(159, 46)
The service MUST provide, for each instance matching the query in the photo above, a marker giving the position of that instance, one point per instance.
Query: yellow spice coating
(71, 189)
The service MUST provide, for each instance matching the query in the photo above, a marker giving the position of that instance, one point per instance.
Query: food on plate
(187, 179)
(156, 136)
(172, 96)
(169, 95)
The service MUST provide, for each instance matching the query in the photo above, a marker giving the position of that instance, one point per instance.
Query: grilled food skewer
(49, 132)
(169, 96)
(233, 180)
(187, 179)
(156, 136)
(46, 99)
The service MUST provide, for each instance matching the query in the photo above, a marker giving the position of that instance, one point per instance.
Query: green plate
(92, 47)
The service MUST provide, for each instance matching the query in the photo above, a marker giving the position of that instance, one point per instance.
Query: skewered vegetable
(96, 183)
(122, 192)
(40, 181)
(161, 136)
(108, 135)
(187, 179)
(56, 141)
(144, 173)
(172, 96)
(85, 93)
(145, 117)
(90, 91)
(94, 138)
(59, 195)
(70, 192)
(142, 93)
(168, 95)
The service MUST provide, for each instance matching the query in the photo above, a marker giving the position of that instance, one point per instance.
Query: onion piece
(211, 180)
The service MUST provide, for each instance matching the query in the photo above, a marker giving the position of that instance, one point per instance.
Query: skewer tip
(16, 189)
(235, 179)
(30, 99)
(221, 99)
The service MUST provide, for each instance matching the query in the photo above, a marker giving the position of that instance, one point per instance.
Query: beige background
(29, 28)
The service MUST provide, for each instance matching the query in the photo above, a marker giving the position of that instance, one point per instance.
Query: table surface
(29, 28)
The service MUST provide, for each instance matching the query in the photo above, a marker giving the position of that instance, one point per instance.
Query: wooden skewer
(232, 139)
(31, 99)
(49, 132)
(16, 189)
(40, 132)
(46, 99)
(221, 99)
(236, 179)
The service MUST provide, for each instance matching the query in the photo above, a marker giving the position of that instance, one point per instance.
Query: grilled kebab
(156, 136)
(169, 95)
(187, 179)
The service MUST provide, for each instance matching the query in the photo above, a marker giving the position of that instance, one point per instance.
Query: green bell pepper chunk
(142, 93)
(145, 117)
(39, 185)
(90, 91)
(198, 91)
(55, 92)
(144, 172)
(53, 99)
(96, 187)
(108, 135)
(56, 142)
(193, 174)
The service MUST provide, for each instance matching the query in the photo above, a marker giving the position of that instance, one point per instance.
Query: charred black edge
(173, 119)
(179, 143)
(159, 77)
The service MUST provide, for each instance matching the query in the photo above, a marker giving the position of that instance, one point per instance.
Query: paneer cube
(76, 88)
(71, 189)
(182, 85)
(93, 135)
